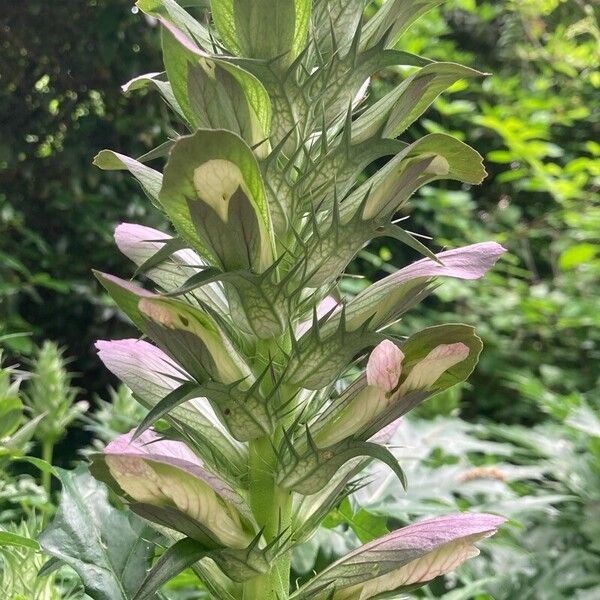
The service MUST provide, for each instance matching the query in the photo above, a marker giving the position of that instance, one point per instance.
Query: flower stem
(271, 506)
(47, 454)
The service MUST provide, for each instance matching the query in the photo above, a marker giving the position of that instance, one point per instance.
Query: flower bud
(383, 373)
(385, 366)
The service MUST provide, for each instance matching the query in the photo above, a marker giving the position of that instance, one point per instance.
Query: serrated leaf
(82, 535)
(334, 174)
(334, 24)
(183, 393)
(245, 411)
(7, 538)
(310, 472)
(317, 360)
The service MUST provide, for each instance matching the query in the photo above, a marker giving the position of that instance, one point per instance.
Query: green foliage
(20, 563)
(107, 548)
(536, 121)
(118, 414)
(21, 495)
(56, 214)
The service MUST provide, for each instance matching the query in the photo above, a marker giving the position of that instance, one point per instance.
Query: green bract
(250, 332)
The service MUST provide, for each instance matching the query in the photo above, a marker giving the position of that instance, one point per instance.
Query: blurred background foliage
(522, 438)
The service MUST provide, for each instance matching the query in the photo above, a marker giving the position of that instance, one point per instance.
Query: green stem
(47, 453)
(271, 506)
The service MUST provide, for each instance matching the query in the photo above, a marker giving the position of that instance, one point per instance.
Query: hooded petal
(151, 375)
(168, 476)
(428, 370)
(411, 555)
(364, 403)
(387, 299)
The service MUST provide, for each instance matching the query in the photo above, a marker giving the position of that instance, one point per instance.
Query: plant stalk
(271, 506)
(47, 455)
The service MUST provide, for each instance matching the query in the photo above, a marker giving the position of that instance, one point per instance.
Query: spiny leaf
(176, 559)
(183, 393)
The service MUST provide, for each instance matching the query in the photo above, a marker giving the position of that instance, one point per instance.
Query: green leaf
(213, 192)
(11, 413)
(576, 255)
(50, 566)
(334, 24)
(317, 360)
(245, 411)
(42, 465)
(107, 548)
(368, 526)
(20, 437)
(167, 249)
(177, 558)
(148, 178)
(8, 538)
(310, 472)
(224, 20)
